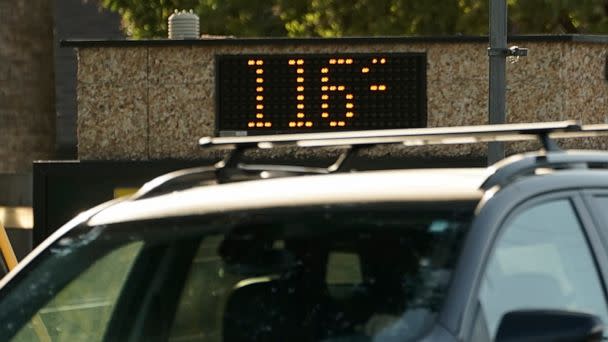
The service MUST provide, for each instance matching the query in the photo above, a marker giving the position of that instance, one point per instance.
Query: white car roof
(419, 185)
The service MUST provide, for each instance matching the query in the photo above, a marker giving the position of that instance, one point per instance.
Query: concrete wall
(152, 101)
(82, 19)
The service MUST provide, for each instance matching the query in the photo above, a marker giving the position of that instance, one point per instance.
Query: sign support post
(498, 82)
(499, 52)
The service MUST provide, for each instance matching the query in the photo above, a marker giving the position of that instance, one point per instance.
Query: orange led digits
(276, 92)
(338, 111)
(335, 87)
(300, 97)
(259, 98)
(374, 87)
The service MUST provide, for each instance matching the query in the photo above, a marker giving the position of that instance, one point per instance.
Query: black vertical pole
(497, 89)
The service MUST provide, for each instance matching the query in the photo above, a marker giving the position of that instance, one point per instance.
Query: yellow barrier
(8, 254)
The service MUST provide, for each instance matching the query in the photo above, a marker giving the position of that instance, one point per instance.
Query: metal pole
(498, 82)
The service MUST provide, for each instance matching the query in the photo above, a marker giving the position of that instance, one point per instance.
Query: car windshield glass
(332, 273)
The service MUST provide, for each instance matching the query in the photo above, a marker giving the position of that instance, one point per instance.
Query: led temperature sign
(261, 94)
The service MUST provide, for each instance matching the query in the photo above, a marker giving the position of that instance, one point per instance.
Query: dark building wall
(27, 104)
(75, 19)
(27, 111)
(38, 91)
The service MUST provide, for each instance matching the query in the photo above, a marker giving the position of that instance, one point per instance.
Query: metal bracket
(281, 170)
(548, 144)
(513, 51)
(606, 69)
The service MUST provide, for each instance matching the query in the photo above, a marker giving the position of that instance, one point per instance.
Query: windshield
(356, 273)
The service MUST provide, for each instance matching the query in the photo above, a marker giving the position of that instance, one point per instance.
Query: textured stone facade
(146, 102)
(27, 112)
(82, 19)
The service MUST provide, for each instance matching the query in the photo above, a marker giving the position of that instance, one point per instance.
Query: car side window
(541, 260)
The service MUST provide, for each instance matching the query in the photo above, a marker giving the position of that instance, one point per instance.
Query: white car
(514, 252)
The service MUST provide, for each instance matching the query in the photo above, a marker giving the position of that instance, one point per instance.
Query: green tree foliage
(559, 16)
(335, 18)
(148, 19)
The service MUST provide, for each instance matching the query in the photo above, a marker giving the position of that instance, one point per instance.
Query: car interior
(272, 285)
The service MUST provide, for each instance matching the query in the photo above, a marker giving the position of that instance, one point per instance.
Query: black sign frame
(420, 102)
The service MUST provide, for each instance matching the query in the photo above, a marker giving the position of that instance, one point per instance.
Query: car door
(544, 257)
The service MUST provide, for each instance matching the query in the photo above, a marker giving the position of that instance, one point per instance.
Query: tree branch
(566, 23)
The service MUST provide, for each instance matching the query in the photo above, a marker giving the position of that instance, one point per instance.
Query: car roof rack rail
(408, 136)
(226, 170)
(354, 141)
(231, 168)
(512, 168)
(177, 180)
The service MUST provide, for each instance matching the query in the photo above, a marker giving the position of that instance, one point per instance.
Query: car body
(390, 255)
